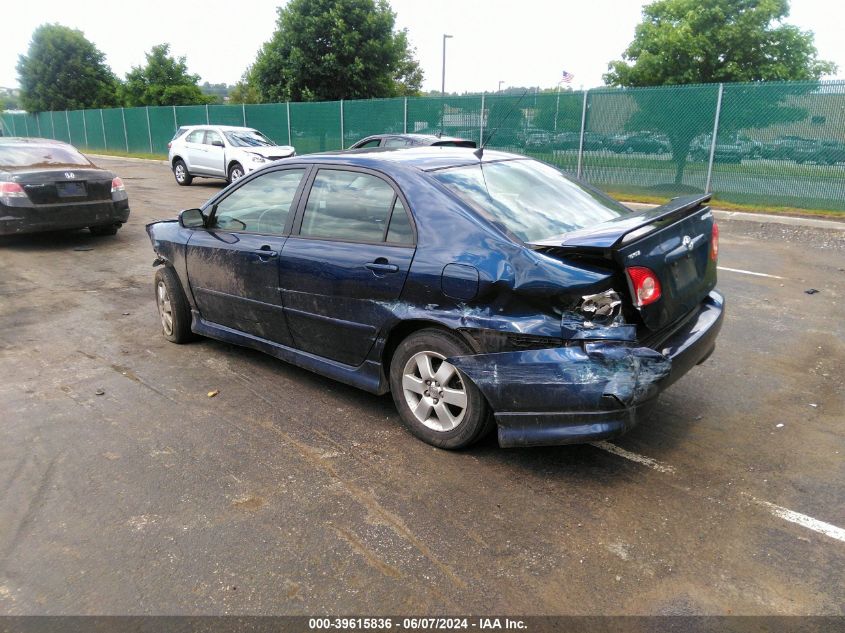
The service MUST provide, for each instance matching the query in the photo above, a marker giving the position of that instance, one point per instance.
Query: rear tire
(436, 402)
(108, 229)
(180, 173)
(173, 308)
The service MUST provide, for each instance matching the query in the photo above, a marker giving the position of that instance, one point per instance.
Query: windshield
(248, 138)
(530, 199)
(25, 155)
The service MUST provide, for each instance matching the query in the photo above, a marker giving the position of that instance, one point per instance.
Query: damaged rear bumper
(588, 391)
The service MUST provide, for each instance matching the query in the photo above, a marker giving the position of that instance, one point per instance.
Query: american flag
(567, 77)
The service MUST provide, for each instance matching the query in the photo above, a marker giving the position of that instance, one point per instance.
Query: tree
(712, 41)
(62, 70)
(163, 81)
(335, 49)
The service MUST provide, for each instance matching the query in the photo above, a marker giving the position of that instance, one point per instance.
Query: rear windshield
(248, 139)
(530, 199)
(25, 155)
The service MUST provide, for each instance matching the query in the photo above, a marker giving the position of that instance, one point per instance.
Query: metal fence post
(342, 141)
(481, 123)
(149, 129)
(290, 141)
(405, 117)
(26, 125)
(243, 109)
(85, 128)
(713, 140)
(14, 127)
(175, 120)
(103, 125)
(581, 139)
(38, 124)
(207, 120)
(53, 124)
(125, 133)
(67, 122)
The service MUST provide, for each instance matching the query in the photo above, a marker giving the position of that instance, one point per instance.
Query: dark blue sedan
(480, 292)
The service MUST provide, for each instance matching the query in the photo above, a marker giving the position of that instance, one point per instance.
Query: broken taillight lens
(714, 243)
(117, 185)
(9, 190)
(644, 284)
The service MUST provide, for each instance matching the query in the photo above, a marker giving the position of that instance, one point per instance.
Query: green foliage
(163, 81)
(563, 109)
(335, 49)
(712, 41)
(244, 92)
(62, 70)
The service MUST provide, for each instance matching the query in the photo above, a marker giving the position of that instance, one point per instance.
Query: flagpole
(557, 105)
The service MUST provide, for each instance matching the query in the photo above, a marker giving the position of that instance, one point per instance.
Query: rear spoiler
(612, 233)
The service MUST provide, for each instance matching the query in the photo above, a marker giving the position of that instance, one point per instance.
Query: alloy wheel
(434, 391)
(165, 310)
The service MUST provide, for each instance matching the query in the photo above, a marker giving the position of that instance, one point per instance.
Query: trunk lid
(65, 185)
(672, 240)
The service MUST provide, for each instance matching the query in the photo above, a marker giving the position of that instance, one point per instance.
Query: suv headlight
(257, 158)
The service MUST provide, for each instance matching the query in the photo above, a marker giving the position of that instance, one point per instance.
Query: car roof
(429, 138)
(227, 128)
(427, 158)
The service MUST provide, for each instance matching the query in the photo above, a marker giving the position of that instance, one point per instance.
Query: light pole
(501, 81)
(443, 84)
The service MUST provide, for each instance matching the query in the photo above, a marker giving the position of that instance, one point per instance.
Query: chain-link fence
(762, 144)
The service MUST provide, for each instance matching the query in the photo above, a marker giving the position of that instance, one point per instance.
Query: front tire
(236, 172)
(180, 173)
(436, 402)
(173, 309)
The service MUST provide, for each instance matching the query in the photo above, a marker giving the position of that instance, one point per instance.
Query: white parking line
(828, 529)
(803, 520)
(634, 457)
(748, 272)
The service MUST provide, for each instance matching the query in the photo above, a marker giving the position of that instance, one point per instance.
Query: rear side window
(261, 205)
(400, 231)
(26, 155)
(374, 143)
(196, 136)
(347, 205)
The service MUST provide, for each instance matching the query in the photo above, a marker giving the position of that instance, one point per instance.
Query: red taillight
(645, 284)
(11, 190)
(117, 185)
(714, 243)
(169, 145)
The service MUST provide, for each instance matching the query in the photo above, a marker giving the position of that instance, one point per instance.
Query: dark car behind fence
(776, 144)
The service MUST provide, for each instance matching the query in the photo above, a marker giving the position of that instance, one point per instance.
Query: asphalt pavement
(127, 489)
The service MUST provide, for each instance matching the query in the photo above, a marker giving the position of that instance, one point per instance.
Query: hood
(274, 152)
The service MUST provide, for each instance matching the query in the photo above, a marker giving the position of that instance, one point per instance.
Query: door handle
(265, 252)
(380, 266)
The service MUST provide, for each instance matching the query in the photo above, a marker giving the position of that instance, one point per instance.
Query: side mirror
(217, 143)
(192, 219)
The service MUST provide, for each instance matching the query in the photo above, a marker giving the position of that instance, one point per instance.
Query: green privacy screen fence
(767, 144)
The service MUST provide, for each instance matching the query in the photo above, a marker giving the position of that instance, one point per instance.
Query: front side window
(261, 205)
(397, 142)
(374, 143)
(530, 199)
(348, 205)
(211, 136)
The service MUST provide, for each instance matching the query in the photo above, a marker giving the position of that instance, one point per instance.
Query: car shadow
(574, 463)
(81, 239)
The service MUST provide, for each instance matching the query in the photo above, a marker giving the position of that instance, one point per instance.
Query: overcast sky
(526, 43)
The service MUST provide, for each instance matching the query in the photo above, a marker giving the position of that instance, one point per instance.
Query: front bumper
(588, 391)
(16, 220)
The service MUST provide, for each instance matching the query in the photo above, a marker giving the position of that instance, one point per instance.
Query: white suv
(221, 151)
